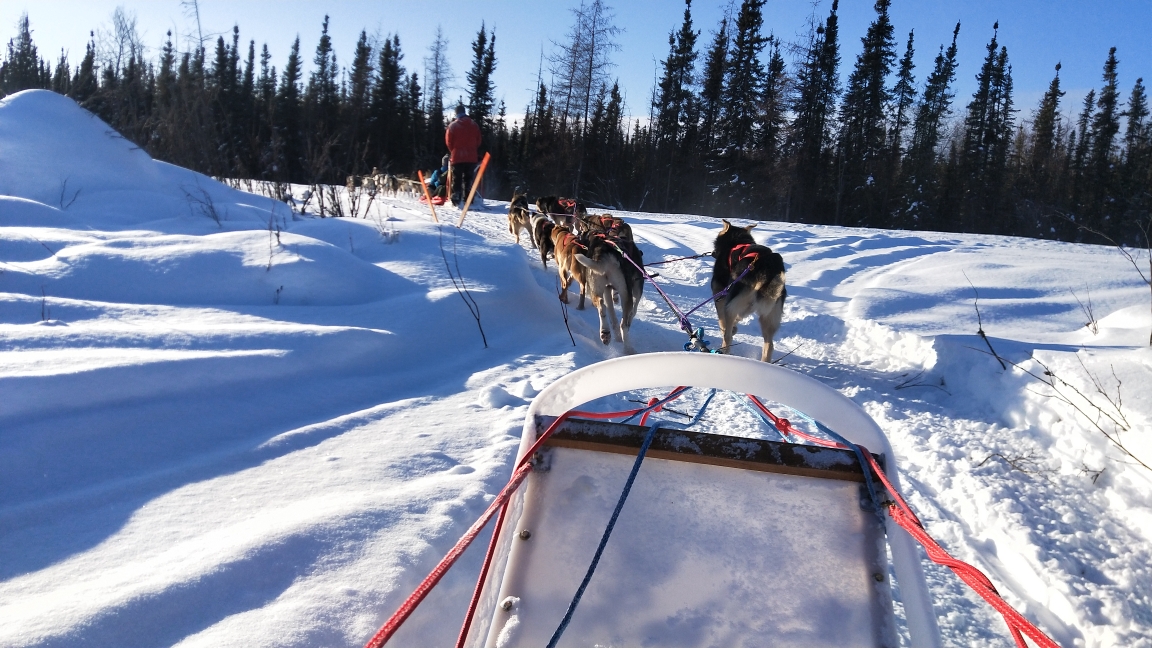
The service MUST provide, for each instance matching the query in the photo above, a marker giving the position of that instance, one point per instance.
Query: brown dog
(520, 217)
(566, 246)
(760, 290)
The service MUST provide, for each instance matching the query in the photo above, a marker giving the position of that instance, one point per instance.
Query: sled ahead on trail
(722, 540)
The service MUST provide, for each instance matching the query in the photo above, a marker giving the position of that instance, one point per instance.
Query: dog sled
(648, 531)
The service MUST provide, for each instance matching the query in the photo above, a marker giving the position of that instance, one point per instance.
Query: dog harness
(739, 253)
(570, 238)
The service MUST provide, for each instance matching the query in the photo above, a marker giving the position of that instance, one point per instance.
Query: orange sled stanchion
(428, 196)
(475, 186)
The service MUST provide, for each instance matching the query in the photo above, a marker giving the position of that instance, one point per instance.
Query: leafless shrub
(388, 232)
(1029, 462)
(1104, 410)
(1093, 324)
(332, 195)
(200, 200)
(359, 197)
(1134, 258)
(980, 325)
(273, 239)
(916, 380)
(1091, 472)
(64, 193)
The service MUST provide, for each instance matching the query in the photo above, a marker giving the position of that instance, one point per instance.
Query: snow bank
(263, 431)
(61, 156)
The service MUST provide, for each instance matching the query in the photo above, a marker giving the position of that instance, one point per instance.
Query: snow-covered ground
(225, 424)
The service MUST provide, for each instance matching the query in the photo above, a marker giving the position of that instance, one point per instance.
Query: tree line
(740, 123)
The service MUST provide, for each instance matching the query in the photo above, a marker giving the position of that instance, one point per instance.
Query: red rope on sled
(409, 605)
(475, 602)
(903, 515)
(786, 428)
(422, 590)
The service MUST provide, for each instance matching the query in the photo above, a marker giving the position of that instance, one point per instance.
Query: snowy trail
(211, 435)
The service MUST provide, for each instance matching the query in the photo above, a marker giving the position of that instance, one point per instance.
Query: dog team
(599, 253)
(385, 183)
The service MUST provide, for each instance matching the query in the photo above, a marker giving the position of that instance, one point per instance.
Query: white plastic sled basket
(722, 541)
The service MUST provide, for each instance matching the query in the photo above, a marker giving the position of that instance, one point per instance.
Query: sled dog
(560, 210)
(542, 228)
(760, 291)
(566, 246)
(611, 226)
(609, 272)
(520, 218)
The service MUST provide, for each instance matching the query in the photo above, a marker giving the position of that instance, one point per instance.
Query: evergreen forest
(739, 123)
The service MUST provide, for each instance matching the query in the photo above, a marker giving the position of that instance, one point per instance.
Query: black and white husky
(760, 290)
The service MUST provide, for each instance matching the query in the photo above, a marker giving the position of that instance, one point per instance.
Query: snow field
(192, 455)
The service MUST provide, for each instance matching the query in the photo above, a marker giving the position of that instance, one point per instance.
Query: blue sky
(1037, 34)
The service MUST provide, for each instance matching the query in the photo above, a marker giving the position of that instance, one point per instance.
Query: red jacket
(463, 140)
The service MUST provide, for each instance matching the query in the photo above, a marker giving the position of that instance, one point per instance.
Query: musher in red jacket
(463, 140)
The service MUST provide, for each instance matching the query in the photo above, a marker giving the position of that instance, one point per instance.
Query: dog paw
(606, 337)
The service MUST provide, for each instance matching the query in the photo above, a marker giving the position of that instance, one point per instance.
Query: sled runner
(722, 541)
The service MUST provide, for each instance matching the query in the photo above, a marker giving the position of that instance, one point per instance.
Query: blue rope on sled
(604, 540)
(616, 512)
(864, 465)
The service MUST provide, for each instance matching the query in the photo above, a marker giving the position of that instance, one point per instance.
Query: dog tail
(772, 289)
(600, 265)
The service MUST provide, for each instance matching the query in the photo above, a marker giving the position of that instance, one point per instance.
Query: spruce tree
(1045, 127)
(481, 94)
(250, 146)
(1136, 181)
(21, 69)
(1101, 162)
(357, 106)
(289, 126)
(1039, 180)
(863, 131)
(920, 178)
(711, 86)
(740, 103)
(1079, 144)
(740, 99)
(674, 89)
(987, 138)
(84, 81)
(674, 111)
(388, 121)
(903, 95)
(809, 138)
(322, 104)
(416, 126)
(266, 113)
(770, 129)
(62, 77)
